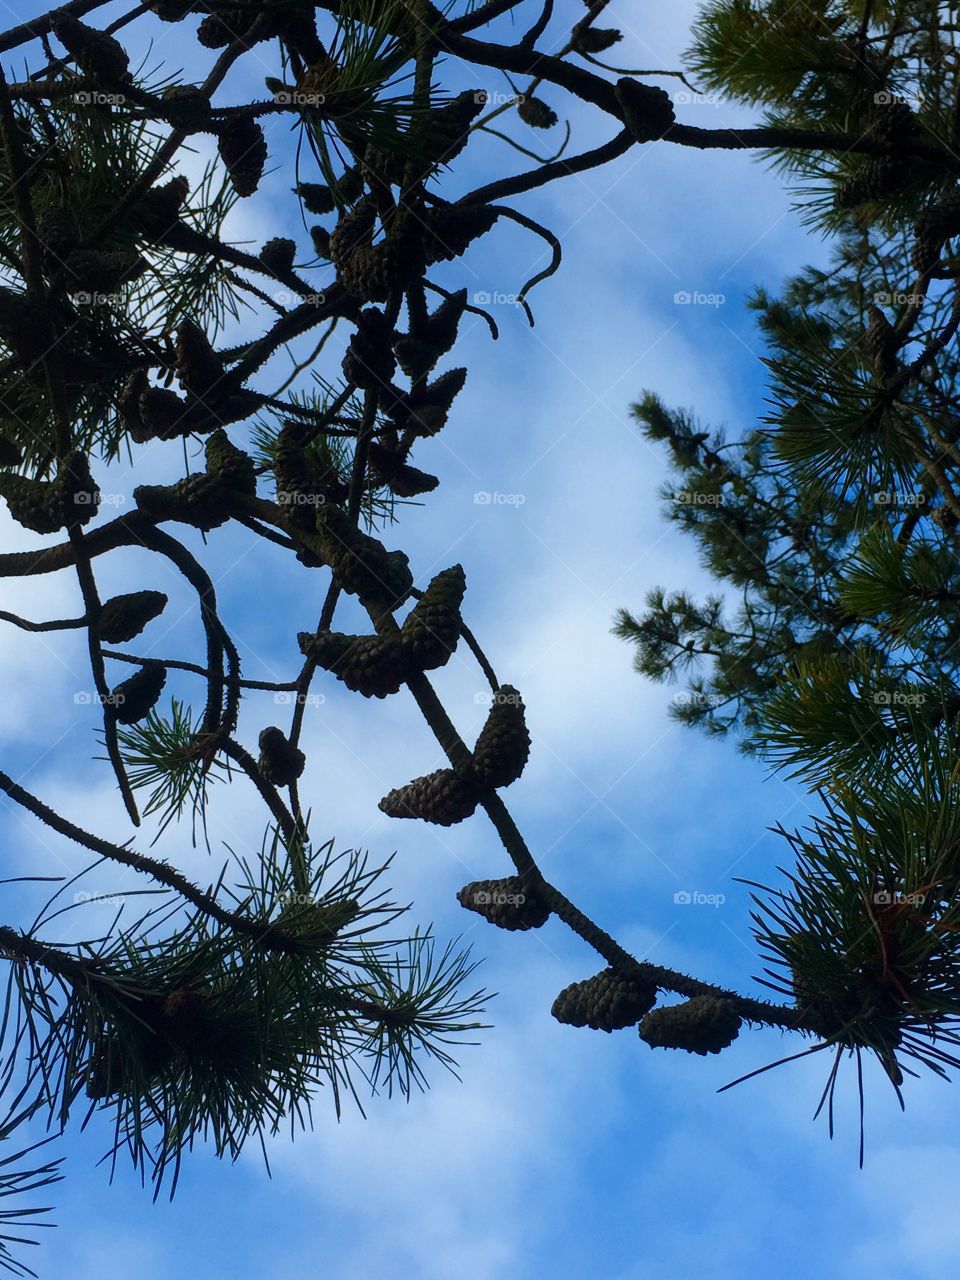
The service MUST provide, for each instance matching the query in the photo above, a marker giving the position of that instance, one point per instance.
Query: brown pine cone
(95, 53)
(187, 108)
(609, 1001)
(29, 502)
(159, 208)
(503, 746)
(399, 477)
(875, 179)
(702, 1025)
(451, 229)
(123, 617)
(443, 325)
(375, 666)
(536, 113)
(595, 40)
(369, 361)
(243, 149)
(505, 903)
(426, 412)
(198, 366)
(101, 271)
(198, 500)
(280, 762)
(278, 255)
(230, 464)
(432, 629)
(353, 231)
(647, 110)
(443, 797)
(362, 564)
(135, 698)
(162, 414)
(317, 197)
(416, 356)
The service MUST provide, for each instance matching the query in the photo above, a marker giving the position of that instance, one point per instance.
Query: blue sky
(561, 1152)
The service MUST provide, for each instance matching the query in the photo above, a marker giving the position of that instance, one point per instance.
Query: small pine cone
(74, 495)
(187, 108)
(163, 414)
(362, 564)
(443, 325)
(400, 478)
(416, 356)
(198, 366)
(11, 454)
(595, 39)
(369, 359)
(432, 629)
(243, 149)
(218, 30)
(280, 762)
(702, 1025)
(95, 53)
(353, 231)
(229, 464)
(278, 255)
(58, 232)
(297, 28)
(536, 113)
(135, 698)
(173, 10)
(197, 500)
(875, 179)
(320, 238)
(375, 666)
(609, 1001)
(443, 797)
(505, 903)
(443, 132)
(945, 518)
(317, 197)
(123, 617)
(451, 229)
(503, 746)
(428, 410)
(186, 1017)
(647, 110)
(29, 502)
(101, 271)
(159, 208)
(881, 342)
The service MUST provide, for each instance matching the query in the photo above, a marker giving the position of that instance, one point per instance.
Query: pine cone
(24, 326)
(280, 762)
(361, 563)
(875, 179)
(505, 903)
(369, 360)
(29, 502)
(163, 415)
(95, 53)
(702, 1025)
(243, 149)
(135, 698)
(354, 231)
(647, 110)
(187, 108)
(536, 113)
(595, 40)
(198, 366)
(451, 229)
(428, 409)
(503, 746)
(399, 477)
(443, 325)
(416, 356)
(159, 208)
(123, 617)
(278, 255)
(218, 30)
(229, 464)
(372, 665)
(46, 506)
(443, 797)
(432, 629)
(101, 271)
(317, 197)
(440, 134)
(609, 1001)
(197, 500)
(320, 237)
(58, 232)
